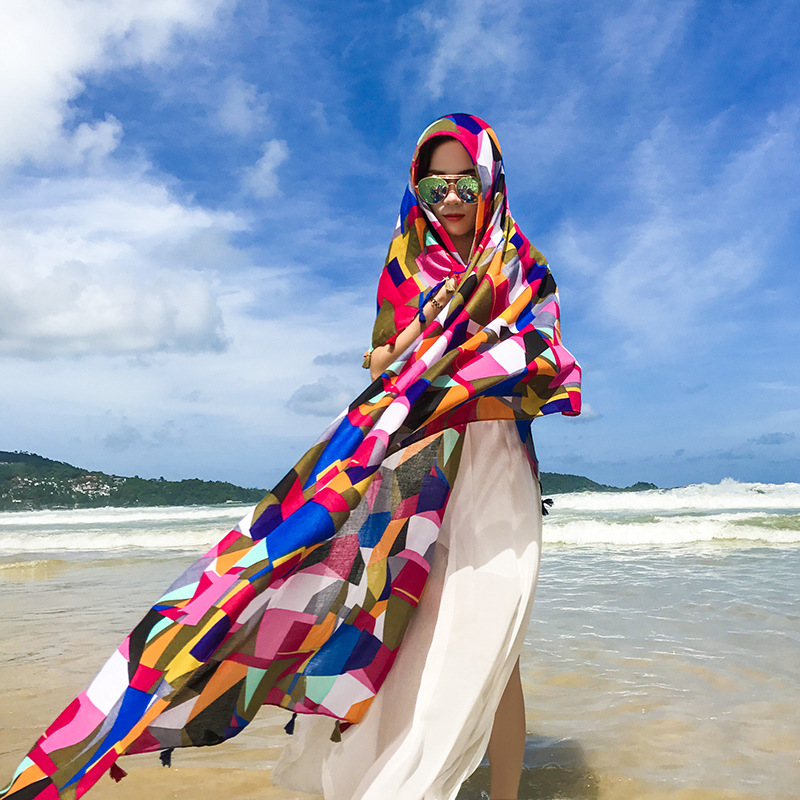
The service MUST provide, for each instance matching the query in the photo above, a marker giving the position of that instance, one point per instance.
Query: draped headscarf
(305, 603)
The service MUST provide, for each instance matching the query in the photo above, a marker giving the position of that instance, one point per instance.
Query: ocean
(662, 658)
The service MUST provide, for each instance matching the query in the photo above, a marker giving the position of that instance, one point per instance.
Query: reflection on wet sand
(553, 768)
(21, 571)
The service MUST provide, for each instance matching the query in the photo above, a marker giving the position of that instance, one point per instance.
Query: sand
(649, 675)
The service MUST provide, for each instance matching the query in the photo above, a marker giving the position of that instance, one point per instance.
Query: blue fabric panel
(395, 272)
(466, 121)
(504, 388)
(408, 202)
(358, 474)
(524, 428)
(525, 318)
(310, 524)
(387, 588)
(366, 648)
(341, 445)
(433, 492)
(211, 641)
(371, 531)
(416, 389)
(333, 655)
(238, 724)
(562, 404)
(266, 523)
(134, 704)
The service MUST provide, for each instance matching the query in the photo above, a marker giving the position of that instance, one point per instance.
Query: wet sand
(645, 677)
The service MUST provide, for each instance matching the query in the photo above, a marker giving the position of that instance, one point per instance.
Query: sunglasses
(434, 188)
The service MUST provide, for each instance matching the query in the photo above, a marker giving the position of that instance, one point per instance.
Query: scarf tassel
(166, 757)
(116, 772)
(289, 726)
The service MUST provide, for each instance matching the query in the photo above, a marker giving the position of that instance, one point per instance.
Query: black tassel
(166, 757)
(289, 726)
(546, 503)
(336, 736)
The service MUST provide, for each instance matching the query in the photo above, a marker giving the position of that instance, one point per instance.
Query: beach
(662, 658)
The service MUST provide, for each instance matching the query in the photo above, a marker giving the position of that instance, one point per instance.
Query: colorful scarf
(305, 603)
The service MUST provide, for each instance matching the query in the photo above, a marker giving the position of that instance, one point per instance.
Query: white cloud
(123, 437)
(126, 436)
(476, 37)
(637, 39)
(775, 438)
(326, 397)
(588, 414)
(534, 142)
(231, 412)
(343, 357)
(109, 266)
(262, 179)
(695, 237)
(91, 143)
(241, 109)
(47, 45)
(97, 256)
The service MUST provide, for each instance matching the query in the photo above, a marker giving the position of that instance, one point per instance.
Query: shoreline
(641, 656)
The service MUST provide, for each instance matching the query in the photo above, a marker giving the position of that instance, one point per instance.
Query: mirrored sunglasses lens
(432, 190)
(468, 189)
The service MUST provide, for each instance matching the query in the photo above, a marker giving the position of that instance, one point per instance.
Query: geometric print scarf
(304, 604)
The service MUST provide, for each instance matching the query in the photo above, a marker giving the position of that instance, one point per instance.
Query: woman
(305, 603)
(455, 685)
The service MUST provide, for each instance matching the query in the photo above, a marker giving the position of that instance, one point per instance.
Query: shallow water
(675, 668)
(656, 664)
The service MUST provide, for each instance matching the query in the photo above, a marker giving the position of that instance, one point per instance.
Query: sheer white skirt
(428, 728)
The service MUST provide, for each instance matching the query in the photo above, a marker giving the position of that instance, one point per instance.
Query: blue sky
(197, 197)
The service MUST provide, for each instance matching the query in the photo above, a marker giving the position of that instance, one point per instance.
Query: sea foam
(116, 531)
(731, 512)
(728, 494)
(728, 511)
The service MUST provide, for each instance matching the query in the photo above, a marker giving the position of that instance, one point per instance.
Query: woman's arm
(385, 354)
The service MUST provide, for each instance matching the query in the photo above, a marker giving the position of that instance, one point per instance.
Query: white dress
(428, 727)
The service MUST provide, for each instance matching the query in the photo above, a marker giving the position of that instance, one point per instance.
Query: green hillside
(556, 483)
(29, 482)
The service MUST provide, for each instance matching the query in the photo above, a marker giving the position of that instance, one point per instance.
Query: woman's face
(455, 216)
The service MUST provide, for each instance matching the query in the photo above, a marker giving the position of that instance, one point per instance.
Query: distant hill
(29, 482)
(556, 483)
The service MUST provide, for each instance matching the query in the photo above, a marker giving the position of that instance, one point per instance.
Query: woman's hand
(380, 359)
(384, 355)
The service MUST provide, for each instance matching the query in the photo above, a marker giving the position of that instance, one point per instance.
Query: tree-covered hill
(29, 481)
(556, 483)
